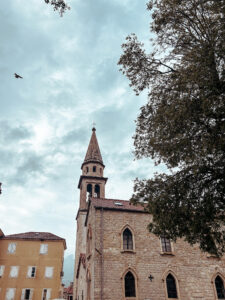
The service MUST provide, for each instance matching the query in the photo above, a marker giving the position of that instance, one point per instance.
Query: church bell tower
(92, 181)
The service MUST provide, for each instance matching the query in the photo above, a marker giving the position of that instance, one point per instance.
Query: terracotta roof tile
(34, 236)
(116, 204)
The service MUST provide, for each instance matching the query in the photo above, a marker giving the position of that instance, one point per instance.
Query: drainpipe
(101, 250)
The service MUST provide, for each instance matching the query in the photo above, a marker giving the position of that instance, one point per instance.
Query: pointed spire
(93, 152)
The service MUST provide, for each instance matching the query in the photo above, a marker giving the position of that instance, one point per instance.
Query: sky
(70, 80)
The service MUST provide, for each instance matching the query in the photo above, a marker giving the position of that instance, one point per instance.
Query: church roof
(115, 204)
(93, 152)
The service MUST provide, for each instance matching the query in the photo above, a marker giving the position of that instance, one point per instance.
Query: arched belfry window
(129, 282)
(171, 286)
(89, 189)
(127, 240)
(219, 288)
(97, 191)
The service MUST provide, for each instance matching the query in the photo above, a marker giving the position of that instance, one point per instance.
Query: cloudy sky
(70, 80)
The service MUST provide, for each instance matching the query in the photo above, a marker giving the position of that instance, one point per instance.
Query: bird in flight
(17, 76)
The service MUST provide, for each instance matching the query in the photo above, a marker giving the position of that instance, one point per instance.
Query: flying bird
(18, 76)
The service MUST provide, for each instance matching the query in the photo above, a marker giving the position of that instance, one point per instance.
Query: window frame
(165, 284)
(136, 284)
(164, 251)
(133, 239)
(30, 271)
(2, 270)
(214, 285)
(14, 293)
(46, 251)
(15, 268)
(48, 293)
(12, 244)
(52, 270)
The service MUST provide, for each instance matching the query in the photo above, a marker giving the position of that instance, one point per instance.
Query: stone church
(118, 259)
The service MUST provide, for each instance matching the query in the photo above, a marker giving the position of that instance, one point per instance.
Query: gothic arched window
(129, 282)
(219, 288)
(171, 286)
(127, 240)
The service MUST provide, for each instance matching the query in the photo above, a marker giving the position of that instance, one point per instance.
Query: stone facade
(100, 274)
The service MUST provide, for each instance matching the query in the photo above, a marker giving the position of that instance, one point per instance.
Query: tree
(183, 122)
(58, 5)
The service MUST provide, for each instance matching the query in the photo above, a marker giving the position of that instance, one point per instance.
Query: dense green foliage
(183, 122)
(59, 5)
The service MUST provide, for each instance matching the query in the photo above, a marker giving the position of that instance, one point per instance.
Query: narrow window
(127, 240)
(31, 272)
(27, 294)
(2, 268)
(219, 288)
(14, 270)
(100, 171)
(46, 294)
(129, 285)
(171, 286)
(94, 169)
(11, 248)
(87, 169)
(44, 249)
(48, 272)
(166, 245)
(97, 191)
(89, 189)
(10, 294)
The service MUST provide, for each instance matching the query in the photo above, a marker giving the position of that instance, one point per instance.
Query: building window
(70, 297)
(89, 237)
(48, 272)
(10, 294)
(27, 294)
(100, 171)
(129, 282)
(46, 294)
(87, 169)
(171, 287)
(89, 189)
(97, 191)
(31, 272)
(14, 271)
(94, 169)
(2, 268)
(127, 240)
(44, 249)
(219, 288)
(11, 248)
(166, 245)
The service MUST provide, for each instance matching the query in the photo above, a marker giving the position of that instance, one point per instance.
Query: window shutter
(44, 248)
(2, 268)
(31, 293)
(10, 294)
(14, 271)
(23, 294)
(29, 271)
(48, 294)
(49, 272)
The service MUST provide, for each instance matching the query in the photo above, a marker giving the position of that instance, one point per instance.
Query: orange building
(31, 266)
